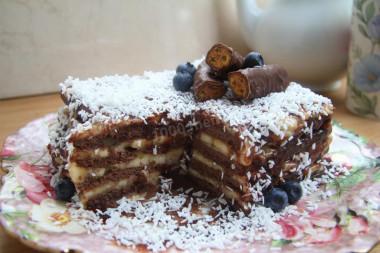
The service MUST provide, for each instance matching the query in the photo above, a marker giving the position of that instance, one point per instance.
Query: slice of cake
(117, 135)
(241, 148)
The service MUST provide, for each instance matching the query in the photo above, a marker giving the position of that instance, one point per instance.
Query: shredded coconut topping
(169, 220)
(115, 98)
(272, 113)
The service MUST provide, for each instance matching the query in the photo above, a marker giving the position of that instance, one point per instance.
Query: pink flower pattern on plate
(6, 151)
(330, 226)
(36, 181)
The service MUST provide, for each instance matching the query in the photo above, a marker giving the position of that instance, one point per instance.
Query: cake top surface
(276, 112)
(116, 98)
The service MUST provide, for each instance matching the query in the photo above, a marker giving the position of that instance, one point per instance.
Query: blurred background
(43, 42)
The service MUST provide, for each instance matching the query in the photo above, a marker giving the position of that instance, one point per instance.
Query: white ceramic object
(309, 38)
(363, 77)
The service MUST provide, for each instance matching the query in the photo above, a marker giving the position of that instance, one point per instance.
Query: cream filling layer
(143, 159)
(241, 156)
(78, 173)
(152, 177)
(137, 144)
(245, 155)
(143, 143)
(241, 180)
(229, 193)
(249, 150)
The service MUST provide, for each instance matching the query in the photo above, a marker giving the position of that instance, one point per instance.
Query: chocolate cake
(117, 135)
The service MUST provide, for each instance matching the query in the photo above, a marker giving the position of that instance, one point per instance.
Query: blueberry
(65, 189)
(182, 81)
(276, 199)
(186, 67)
(294, 191)
(253, 59)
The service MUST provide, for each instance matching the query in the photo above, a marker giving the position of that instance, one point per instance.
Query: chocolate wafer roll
(253, 83)
(223, 59)
(207, 86)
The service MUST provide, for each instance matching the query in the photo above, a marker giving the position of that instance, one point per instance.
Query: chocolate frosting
(206, 84)
(259, 81)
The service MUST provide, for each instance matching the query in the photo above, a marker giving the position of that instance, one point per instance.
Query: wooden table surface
(15, 113)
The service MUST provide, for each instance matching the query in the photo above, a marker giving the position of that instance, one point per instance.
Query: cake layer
(143, 183)
(242, 149)
(145, 145)
(268, 155)
(121, 153)
(79, 174)
(216, 163)
(214, 169)
(128, 131)
(113, 150)
(254, 184)
(234, 197)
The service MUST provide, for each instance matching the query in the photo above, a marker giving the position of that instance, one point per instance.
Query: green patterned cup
(363, 78)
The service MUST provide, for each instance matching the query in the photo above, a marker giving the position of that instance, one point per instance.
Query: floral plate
(345, 220)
